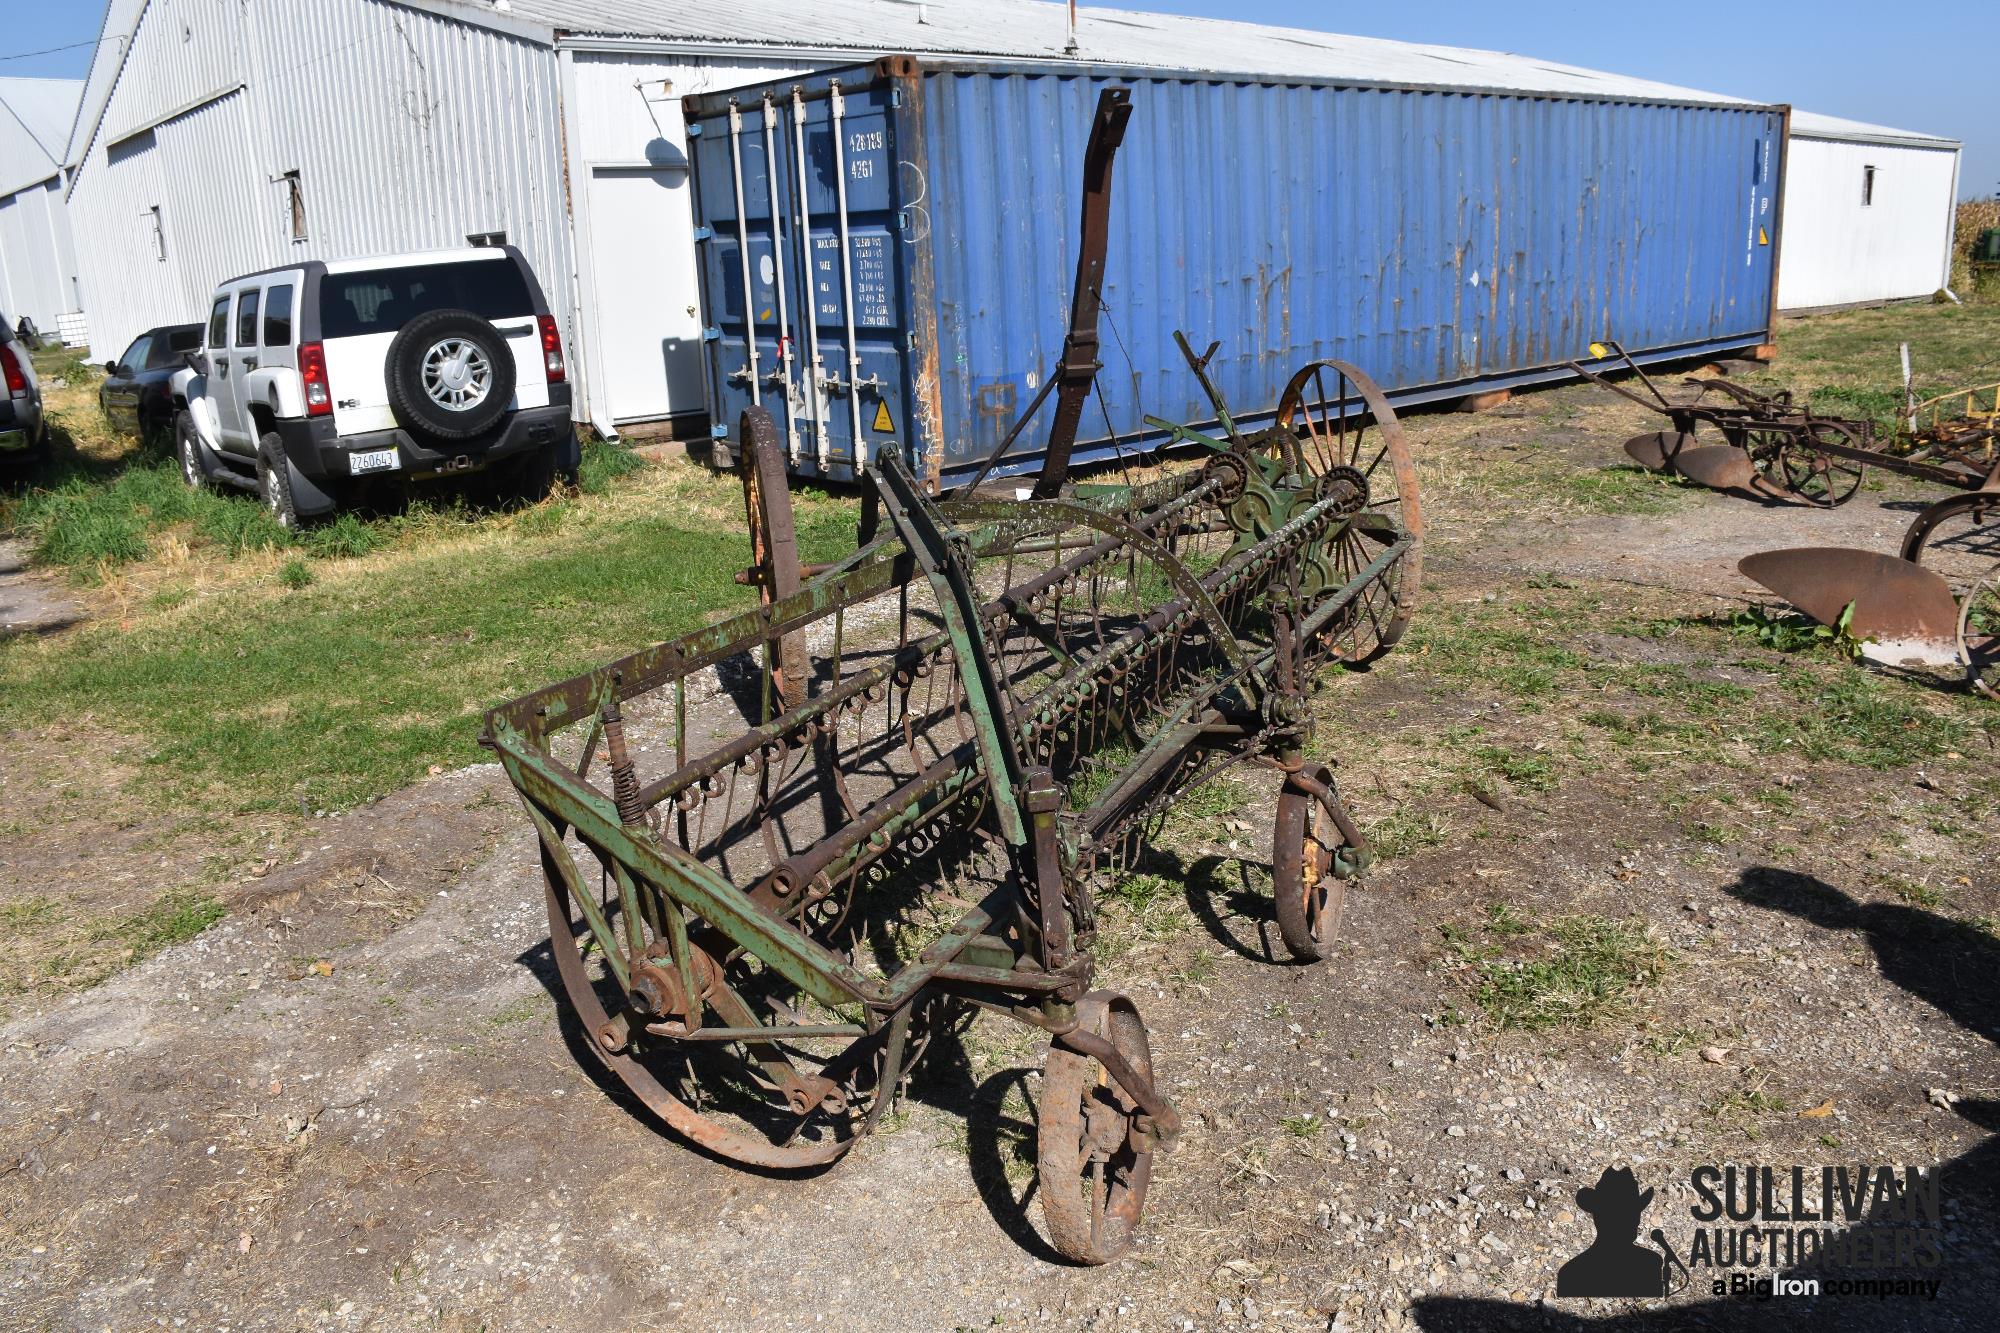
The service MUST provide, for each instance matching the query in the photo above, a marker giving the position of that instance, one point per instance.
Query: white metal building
(38, 275)
(225, 136)
(1868, 213)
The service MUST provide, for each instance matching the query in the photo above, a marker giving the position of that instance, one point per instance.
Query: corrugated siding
(1022, 30)
(37, 263)
(1440, 241)
(190, 168)
(1430, 238)
(187, 51)
(409, 131)
(1838, 251)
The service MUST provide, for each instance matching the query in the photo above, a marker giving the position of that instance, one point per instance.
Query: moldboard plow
(764, 904)
(1934, 603)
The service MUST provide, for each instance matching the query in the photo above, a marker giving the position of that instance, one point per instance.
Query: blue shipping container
(1445, 242)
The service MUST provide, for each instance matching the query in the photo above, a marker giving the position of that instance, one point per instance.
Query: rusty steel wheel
(1091, 1162)
(1793, 464)
(1968, 524)
(1342, 420)
(746, 1101)
(1979, 634)
(774, 544)
(1309, 895)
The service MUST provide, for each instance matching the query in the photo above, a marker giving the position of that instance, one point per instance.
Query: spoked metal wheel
(1092, 1160)
(1345, 429)
(1309, 895)
(1795, 465)
(780, 1102)
(1979, 634)
(1966, 526)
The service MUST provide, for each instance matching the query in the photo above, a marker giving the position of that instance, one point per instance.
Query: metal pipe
(821, 446)
(778, 274)
(743, 248)
(857, 452)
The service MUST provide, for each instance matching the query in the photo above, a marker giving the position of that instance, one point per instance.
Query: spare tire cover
(450, 375)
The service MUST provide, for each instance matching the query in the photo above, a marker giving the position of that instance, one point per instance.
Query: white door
(648, 328)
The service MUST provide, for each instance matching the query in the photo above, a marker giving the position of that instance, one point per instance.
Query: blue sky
(1925, 65)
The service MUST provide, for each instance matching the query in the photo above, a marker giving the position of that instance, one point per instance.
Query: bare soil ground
(1650, 894)
(30, 602)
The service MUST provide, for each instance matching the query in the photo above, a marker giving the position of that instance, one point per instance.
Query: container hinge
(704, 233)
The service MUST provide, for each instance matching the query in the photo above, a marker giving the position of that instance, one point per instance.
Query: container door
(809, 176)
(750, 279)
(848, 212)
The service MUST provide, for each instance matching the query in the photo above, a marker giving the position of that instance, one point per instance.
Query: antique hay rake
(763, 905)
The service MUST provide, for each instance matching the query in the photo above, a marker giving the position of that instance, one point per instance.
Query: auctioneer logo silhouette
(1616, 1264)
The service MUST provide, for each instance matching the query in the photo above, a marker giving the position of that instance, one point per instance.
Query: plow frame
(1789, 448)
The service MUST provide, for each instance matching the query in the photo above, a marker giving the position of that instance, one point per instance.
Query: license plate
(374, 460)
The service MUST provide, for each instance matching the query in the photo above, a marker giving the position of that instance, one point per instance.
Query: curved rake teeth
(1907, 612)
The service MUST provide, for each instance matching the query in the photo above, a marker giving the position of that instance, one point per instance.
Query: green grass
(1819, 705)
(1621, 489)
(1573, 972)
(351, 685)
(45, 944)
(1850, 358)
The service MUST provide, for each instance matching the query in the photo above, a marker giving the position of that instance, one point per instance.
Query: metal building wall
(408, 131)
(1841, 252)
(138, 268)
(37, 259)
(634, 224)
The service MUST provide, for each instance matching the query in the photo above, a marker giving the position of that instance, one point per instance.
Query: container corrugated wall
(1444, 242)
(408, 131)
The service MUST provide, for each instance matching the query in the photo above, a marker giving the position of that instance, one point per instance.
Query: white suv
(316, 380)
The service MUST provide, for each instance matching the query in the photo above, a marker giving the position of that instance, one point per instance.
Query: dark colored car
(135, 395)
(23, 434)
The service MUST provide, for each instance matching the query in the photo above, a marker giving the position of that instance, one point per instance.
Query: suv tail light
(552, 357)
(15, 362)
(312, 374)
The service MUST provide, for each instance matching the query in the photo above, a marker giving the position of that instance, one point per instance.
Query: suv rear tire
(274, 481)
(197, 468)
(450, 375)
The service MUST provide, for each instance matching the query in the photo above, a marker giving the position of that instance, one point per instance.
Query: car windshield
(383, 300)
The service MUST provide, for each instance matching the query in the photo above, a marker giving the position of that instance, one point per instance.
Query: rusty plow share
(1771, 448)
(1936, 603)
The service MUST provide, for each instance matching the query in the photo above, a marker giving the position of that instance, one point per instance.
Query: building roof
(1811, 125)
(1037, 30)
(35, 116)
